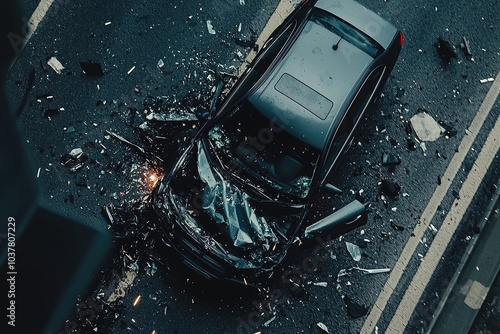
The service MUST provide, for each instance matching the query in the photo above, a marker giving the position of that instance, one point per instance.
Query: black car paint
(210, 265)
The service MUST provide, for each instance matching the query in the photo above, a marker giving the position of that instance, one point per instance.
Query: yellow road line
(284, 8)
(431, 208)
(448, 228)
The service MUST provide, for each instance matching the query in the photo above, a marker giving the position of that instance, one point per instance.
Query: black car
(239, 195)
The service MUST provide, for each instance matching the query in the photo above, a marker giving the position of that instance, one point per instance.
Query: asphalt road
(129, 38)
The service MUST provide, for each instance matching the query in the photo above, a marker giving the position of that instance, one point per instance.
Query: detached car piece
(238, 196)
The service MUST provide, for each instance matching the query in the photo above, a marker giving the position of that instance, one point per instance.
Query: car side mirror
(331, 188)
(351, 216)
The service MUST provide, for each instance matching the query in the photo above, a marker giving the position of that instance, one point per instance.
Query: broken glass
(354, 251)
(221, 216)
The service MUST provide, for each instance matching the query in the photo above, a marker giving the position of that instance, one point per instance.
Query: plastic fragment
(354, 251)
(55, 64)
(91, 69)
(323, 327)
(354, 309)
(160, 63)
(445, 50)
(390, 188)
(242, 2)
(210, 28)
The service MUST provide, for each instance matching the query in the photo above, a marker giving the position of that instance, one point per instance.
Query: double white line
(448, 227)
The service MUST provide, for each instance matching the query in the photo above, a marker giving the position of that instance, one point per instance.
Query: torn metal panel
(230, 207)
(220, 215)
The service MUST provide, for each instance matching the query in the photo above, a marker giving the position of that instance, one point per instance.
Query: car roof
(305, 91)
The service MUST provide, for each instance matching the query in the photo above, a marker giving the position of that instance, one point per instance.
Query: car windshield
(258, 150)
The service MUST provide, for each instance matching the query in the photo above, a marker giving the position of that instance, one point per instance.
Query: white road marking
(38, 15)
(431, 208)
(443, 237)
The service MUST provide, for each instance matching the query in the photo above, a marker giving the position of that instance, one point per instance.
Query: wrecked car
(239, 195)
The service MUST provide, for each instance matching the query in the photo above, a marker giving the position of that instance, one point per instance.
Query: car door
(350, 122)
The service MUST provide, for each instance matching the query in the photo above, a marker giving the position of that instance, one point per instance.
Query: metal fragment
(120, 138)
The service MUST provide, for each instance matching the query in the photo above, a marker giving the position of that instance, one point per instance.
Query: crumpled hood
(230, 208)
(220, 215)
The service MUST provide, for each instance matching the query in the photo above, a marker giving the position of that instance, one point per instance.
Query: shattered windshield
(259, 150)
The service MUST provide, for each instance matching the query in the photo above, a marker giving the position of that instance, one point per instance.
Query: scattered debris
(91, 69)
(322, 284)
(343, 272)
(448, 130)
(425, 127)
(354, 251)
(486, 80)
(126, 141)
(373, 271)
(354, 309)
(55, 64)
(390, 159)
(445, 50)
(173, 116)
(323, 327)
(423, 147)
(268, 322)
(152, 268)
(465, 46)
(49, 113)
(390, 188)
(210, 27)
(395, 226)
(247, 43)
(74, 159)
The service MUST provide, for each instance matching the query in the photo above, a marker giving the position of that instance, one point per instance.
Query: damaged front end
(217, 227)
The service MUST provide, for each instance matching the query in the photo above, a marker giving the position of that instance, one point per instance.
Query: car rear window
(347, 32)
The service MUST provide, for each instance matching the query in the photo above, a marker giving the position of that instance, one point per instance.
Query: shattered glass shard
(390, 159)
(210, 28)
(323, 327)
(354, 251)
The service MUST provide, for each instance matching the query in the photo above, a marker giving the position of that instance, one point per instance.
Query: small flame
(152, 179)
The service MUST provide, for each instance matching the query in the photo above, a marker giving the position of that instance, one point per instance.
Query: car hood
(222, 216)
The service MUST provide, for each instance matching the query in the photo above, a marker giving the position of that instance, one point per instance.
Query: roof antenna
(336, 46)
